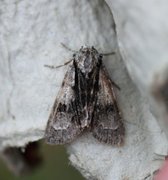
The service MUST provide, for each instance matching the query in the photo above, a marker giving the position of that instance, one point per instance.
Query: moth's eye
(100, 56)
(74, 55)
(81, 49)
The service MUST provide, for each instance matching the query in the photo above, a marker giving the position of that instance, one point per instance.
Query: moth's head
(87, 59)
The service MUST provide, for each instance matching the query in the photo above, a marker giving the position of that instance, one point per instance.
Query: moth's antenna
(55, 67)
(108, 54)
(69, 49)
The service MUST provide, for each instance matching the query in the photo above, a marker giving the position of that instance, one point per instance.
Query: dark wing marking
(63, 124)
(85, 90)
(107, 125)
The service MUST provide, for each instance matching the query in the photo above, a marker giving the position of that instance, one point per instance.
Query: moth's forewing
(107, 125)
(63, 124)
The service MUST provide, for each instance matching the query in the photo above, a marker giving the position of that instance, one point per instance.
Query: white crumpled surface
(31, 36)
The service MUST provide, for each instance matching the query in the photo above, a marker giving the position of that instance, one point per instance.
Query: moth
(86, 100)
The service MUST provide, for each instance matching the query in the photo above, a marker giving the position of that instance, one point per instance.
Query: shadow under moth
(22, 161)
(86, 100)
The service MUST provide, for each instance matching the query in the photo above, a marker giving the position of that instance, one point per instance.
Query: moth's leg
(108, 54)
(69, 49)
(54, 67)
(115, 85)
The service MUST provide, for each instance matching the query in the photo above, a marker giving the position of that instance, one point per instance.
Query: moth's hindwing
(63, 124)
(107, 125)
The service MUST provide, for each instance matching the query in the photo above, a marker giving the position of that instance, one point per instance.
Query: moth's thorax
(87, 59)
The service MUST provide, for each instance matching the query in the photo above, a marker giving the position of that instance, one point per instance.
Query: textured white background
(31, 33)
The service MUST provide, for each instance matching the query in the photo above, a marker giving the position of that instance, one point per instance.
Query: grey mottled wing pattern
(63, 124)
(107, 125)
